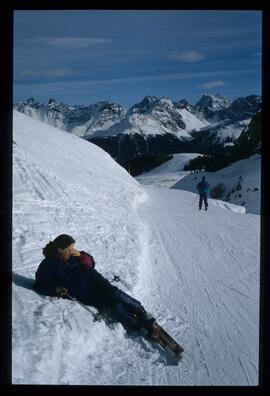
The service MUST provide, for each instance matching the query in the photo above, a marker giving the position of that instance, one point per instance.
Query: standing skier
(203, 188)
(67, 270)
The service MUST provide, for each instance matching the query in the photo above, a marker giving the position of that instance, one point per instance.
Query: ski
(166, 341)
(159, 335)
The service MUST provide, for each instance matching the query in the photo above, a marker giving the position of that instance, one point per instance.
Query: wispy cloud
(41, 74)
(66, 42)
(188, 56)
(213, 84)
(135, 79)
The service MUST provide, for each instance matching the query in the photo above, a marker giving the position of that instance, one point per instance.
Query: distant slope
(242, 182)
(167, 174)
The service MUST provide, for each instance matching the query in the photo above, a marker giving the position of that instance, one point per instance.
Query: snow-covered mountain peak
(183, 104)
(60, 107)
(166, 101)
(213, 102)
(51, 101)
(246, 103)
(80, 120)
(164, 104)
(32, 102)
(243, 108)
(144, 105)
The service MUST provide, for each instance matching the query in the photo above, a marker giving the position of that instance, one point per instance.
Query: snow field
(197, 272)
(100, 213)
(167, 174)
(211, 312)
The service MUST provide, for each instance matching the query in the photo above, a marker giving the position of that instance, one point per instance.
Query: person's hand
(74, 252)
(61, 291)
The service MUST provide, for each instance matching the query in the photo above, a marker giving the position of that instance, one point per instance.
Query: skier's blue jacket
(77, 275)
(203, 187)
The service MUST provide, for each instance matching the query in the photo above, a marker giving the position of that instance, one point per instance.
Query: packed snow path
(197, 272)
(212, 310)
(201, 276)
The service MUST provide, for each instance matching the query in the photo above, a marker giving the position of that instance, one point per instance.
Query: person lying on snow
(65, 270)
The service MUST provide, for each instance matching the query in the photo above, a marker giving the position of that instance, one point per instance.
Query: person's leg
(124, 316)
(101, 287)
(145, 319)
(205, 201)
(129, 302)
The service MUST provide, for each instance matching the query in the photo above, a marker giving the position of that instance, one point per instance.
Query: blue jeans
(124, 308)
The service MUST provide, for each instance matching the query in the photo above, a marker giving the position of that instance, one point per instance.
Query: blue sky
(82, 57)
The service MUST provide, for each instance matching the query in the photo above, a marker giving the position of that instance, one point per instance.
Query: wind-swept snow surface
(197, 272)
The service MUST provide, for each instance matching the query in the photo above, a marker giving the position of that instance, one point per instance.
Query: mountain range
(152, 127)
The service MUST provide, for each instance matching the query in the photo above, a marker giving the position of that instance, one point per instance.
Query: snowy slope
(191, 121)
(204, 286)
(242, 180)
(167, 174)
(197, 272)
(220, 132)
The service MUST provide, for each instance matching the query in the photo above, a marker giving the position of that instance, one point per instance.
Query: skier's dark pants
(122, 306)
(203, 198)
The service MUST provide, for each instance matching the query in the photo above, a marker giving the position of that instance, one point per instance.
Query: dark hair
(62, 241)
(203, 178)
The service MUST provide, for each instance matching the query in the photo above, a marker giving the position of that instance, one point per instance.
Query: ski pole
(194, 200)
(96, 316)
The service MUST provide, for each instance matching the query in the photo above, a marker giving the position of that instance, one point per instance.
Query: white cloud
(213, 84)
(66, 42)
(39, 74)
(188, 56)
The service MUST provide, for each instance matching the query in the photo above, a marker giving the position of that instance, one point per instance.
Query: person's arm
(66, 282)
(52, 279)
(87, 260)
(84, 258)
(45, 283)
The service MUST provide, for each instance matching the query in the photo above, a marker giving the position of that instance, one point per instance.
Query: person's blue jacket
(77, 275)
(203, 187)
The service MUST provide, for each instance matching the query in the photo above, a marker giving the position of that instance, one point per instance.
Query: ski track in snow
(227, 318)
(197, 272)
(99, 224)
